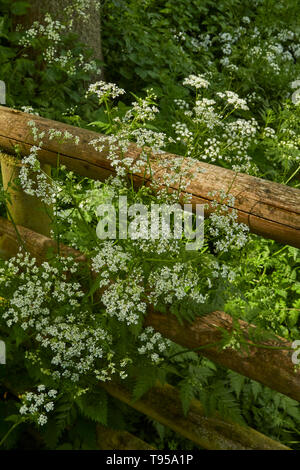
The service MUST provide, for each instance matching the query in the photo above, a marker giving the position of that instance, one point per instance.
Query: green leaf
(145, 381)
(100, 124)
(186, 395)
(256, 389)
(237, 382)
(94, 406)
(13, 418)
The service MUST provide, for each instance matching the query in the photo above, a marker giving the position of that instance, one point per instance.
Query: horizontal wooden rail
(269, 209)
(111, 439)
(107, 438)
(270, 367)
(163, 404)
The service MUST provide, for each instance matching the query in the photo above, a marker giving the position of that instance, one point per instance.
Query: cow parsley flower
(196, 81)
(105, 90)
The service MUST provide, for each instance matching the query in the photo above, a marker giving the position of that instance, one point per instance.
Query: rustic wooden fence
(269, 209)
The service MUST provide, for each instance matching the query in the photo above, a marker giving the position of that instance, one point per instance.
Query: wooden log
(23, 209)
(163, 404)
(269, 209)
(270, 367)
(39, 246)
(111, 439)
(107, 438)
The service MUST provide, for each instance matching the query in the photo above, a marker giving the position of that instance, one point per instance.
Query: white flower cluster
(82, 9)
(159, 246)
(226, 232)
(174, 177)
(37, 405)
(295, 84)
(33, 180)
(223, 139)
(124, 298)
(275, 51)
(148, 138)
(182, 104)
(70, 62)
(269, 132)
(205, 113)
(266, 48)
(104, 90)
(223, 271)
(179, 282)
(234, 99)
(51, 30)
(144, 109)
(110, 260)
(118, 146)
(183, 133)
(127, 129)
(62, 137)
(29, 110)
(196, 81)
(74, 340)
(204, 41)
(153, 344)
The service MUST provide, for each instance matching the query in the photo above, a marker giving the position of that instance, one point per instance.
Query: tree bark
(111, 439)
(163, 404)
(88, 30)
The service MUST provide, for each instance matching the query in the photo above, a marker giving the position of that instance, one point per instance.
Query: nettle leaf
(144, 382)
(94, 406)
(59, 421)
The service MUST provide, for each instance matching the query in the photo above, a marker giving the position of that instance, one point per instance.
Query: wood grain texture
(163, 404)
(88, 31)
(270, 209)
(111, 439)
(272, 368)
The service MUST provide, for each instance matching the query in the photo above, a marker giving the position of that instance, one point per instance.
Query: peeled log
(163, 404)
(270, 367)
(23, 209)
(111, 439)
(270, 209)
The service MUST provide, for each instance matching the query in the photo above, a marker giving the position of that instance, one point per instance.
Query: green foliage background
(143, 48)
